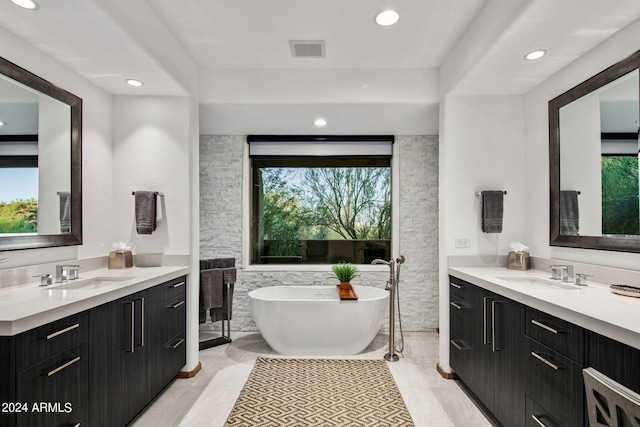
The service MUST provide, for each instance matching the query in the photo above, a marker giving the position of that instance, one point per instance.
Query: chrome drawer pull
(176, 345)
(545, 361)
(484, 321)
(63, 331)
(77, 425)
(456, 285)
(133, 326)
(456, 305)
(494, 346)
(458, 346)
(545, 327)
(178, 304)
(540, 423)
(66, 365)
(142, 316)
(177, 285)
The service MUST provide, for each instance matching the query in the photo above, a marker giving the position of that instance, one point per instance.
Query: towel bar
(479, 193)
(133, 193)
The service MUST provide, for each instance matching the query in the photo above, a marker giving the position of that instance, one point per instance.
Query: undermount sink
(94, 283)
(533, 282)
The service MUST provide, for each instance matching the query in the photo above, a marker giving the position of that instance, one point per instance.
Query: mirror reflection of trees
(620, 203)
(19, 216)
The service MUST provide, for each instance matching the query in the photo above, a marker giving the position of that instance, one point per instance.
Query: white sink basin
(536, 283)
(88, 284)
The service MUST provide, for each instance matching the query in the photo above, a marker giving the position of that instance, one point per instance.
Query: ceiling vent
(307, 48)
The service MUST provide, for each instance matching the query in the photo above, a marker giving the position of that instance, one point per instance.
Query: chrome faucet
(45, 279)
(562, 272)
(391, 265)
(67, 272)
(61, 274)
(581, 279)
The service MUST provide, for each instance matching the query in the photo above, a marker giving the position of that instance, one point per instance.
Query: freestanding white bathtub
(312, 321)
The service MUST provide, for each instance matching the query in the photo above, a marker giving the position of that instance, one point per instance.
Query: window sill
(324, 268)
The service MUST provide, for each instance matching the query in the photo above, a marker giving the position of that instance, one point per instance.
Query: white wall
(536, 167)
(151, 152)
(97, 222)
(481, 148)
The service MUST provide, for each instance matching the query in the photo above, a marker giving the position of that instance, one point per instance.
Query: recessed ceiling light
(26, 4)
(320, 122)
(134, 82)
(387, 17)
(3, 124)
(536, 54)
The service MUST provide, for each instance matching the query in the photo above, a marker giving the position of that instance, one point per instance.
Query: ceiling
(237, 53)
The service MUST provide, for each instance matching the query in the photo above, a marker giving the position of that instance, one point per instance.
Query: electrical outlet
(463, 242)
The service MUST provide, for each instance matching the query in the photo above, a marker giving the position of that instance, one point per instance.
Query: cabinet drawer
(175, 315)
(45, 341)
(538, 417)
(175, 287)
(459, 288)
(555, 383)
(174, 357)
(564, 337)
(60, 384)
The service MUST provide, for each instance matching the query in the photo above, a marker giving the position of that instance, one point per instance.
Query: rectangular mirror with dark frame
(40, 162)
(593, 161)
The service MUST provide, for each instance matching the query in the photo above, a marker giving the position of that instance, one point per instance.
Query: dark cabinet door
(485, 390)
(110, 334)
(508, 352)
(490, 330)
(142, 359)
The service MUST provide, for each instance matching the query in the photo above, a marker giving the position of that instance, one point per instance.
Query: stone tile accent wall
(221, 213)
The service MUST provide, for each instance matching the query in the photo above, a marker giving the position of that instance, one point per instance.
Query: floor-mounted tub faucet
(391, 265)
(392, 287)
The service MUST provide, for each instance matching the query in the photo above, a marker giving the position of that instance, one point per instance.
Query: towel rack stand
(479, 193)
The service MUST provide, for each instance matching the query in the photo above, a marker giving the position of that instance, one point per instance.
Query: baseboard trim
(190, 374)
(446, 375)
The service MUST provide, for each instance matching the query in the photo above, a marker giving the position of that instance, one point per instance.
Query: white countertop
(28, 306)
(593, 307)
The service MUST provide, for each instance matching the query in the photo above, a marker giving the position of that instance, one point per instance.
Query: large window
(320, 209)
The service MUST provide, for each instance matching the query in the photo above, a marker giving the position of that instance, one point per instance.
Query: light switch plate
(463, 242)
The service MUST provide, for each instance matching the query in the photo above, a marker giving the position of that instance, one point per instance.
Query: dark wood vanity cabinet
(45, 375)
(487, 349)
(100, 367)
(555, 358)
(174, 349)
(131, 341)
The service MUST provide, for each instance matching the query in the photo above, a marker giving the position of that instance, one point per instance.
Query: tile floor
(207, 398)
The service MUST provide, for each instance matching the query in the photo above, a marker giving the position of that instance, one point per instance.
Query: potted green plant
(344, 272)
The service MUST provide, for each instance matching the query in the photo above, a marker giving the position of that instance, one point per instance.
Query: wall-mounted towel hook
(133, 193)
(479, 193)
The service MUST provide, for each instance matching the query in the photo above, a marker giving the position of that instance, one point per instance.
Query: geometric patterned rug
(319, 392)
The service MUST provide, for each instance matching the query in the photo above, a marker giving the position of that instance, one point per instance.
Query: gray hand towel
(145, 202)
(65, 212)
(206, 264)
(492, 209)
(569, 213)
(224, 312)
(211, 288)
